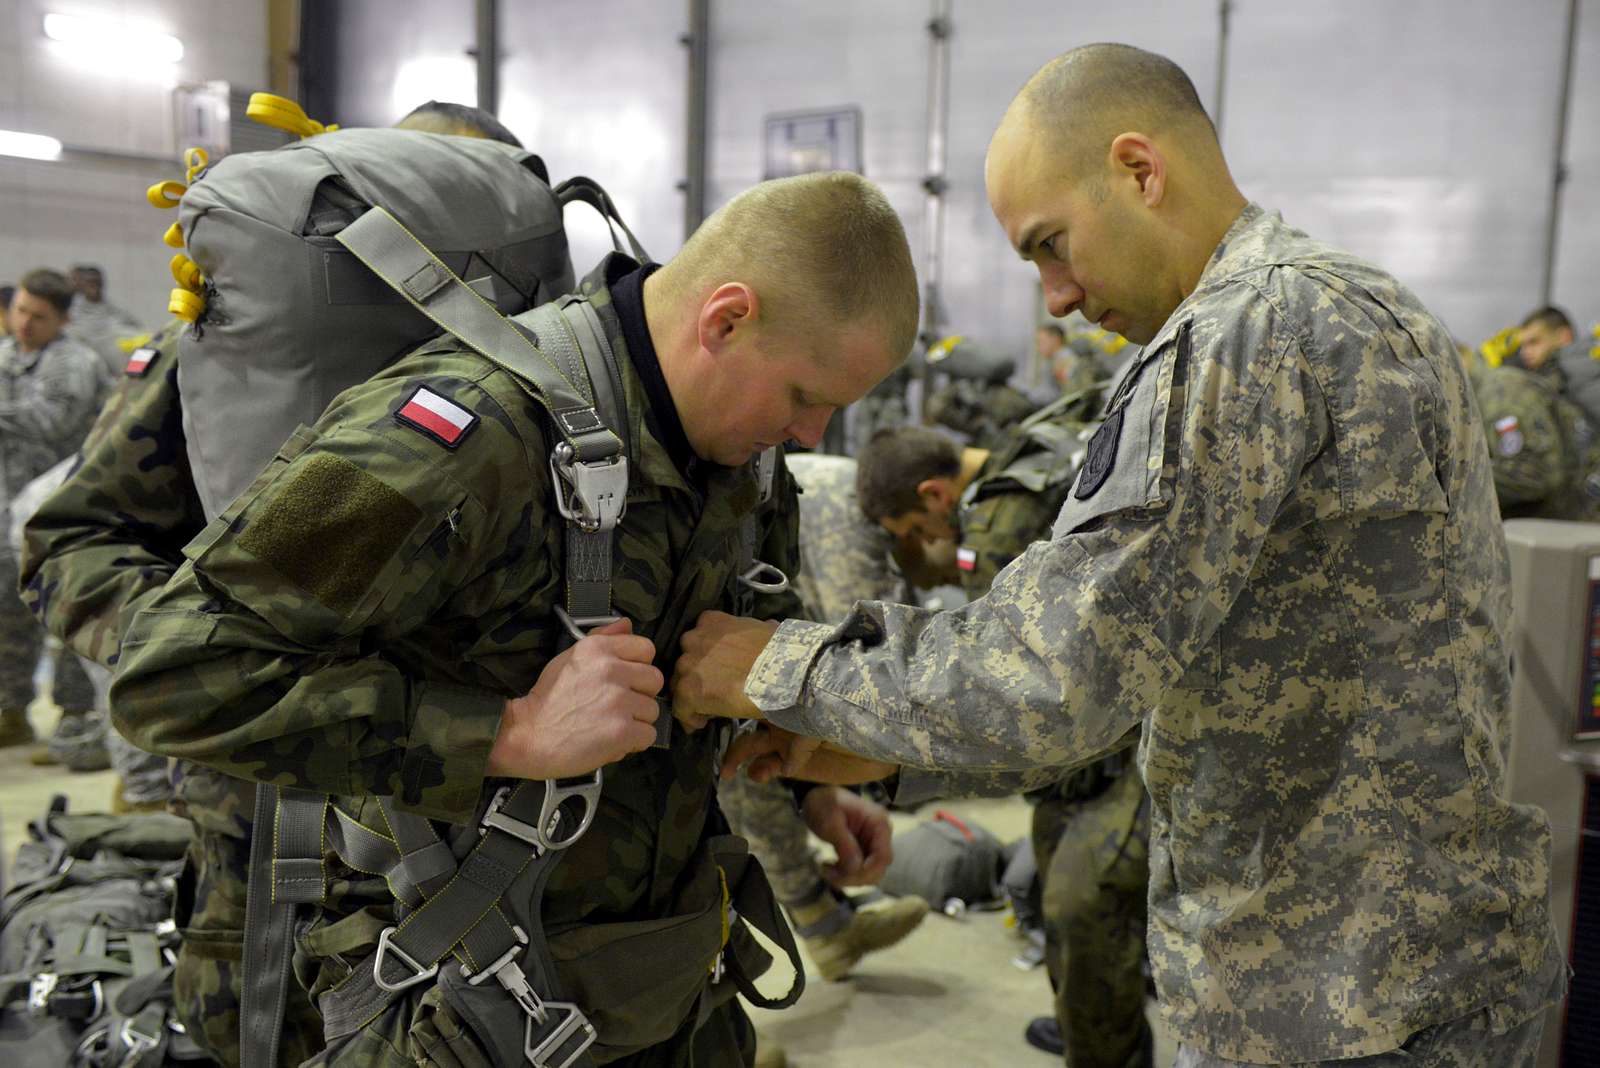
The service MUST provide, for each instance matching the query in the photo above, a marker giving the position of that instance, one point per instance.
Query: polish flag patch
(141, 359)
(967, 559)
(437, 416)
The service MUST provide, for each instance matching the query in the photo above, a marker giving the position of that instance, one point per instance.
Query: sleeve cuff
(442, 773)
(778, 677)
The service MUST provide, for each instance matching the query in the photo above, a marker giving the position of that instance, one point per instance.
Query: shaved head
(1083, 99)
(1107, 176)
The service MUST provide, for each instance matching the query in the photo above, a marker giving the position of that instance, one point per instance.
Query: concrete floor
(946, 997)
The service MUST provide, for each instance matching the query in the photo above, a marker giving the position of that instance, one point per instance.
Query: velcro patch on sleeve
(141, 360)
(437, 417)
(331, 530)
(967, 559)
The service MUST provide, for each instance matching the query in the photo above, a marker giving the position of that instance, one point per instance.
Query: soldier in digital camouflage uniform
(1282, 560)
(49, 393)
(375, 616)
(1543, 449)
(1090, 830)
(97, 550)
(843, 558)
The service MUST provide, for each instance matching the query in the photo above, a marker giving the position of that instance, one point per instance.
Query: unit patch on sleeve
(1510, 433)
(437, 416)
(141, 360)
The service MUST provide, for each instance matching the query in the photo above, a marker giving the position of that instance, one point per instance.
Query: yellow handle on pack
(165, 194)
(173, 238)
(128, 344)
(196, 159)
(186, 305)
(187, 273)
(283, 114)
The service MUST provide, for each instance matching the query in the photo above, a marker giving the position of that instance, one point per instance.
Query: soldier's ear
(727, 314)
(936, 496)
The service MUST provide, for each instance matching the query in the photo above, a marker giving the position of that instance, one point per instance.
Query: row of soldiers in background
(59, 357)
(1538, 388)
(978, 397)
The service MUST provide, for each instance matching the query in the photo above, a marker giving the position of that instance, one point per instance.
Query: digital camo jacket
(1281, 558)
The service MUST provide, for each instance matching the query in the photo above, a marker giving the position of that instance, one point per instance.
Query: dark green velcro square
(359, 524)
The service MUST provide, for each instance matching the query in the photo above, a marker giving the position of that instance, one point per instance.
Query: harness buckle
(591, 493)
(764, 578)
(136, 1042)
(558, 1032)
(39, 991)
(552, 816)
(386, 946)
(476, 978)
(566, 1040)
(580, 626)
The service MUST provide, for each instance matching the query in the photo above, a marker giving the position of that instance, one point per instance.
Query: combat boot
(836, 937)
(79, 742)
(15, 728)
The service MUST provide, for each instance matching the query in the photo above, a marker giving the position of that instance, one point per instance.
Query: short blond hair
(816, 248)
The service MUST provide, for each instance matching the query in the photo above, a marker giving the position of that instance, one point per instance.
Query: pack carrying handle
(589, 191)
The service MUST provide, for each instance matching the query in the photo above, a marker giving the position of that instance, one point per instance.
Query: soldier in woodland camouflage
(1282, 560)
(1543, 449)
(97, 550)
(100, 547)
(375, 616)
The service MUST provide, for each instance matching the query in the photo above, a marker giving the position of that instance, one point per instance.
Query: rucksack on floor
(86, 941)
(285, 318)
(946, 859)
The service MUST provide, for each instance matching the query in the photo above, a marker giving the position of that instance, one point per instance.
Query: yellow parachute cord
(283, 114)
(165, 195)
(196, 160)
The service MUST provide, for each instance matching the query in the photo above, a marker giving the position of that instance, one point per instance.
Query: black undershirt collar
(627, 297)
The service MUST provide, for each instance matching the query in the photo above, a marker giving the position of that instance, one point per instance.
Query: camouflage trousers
(1094, 859)
(210, 916)
(1469, 1042)
(21, 641)
(764, 814)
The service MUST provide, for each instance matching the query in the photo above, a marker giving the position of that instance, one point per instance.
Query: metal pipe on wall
(1224, 17)
(698, 45)
(934, 184)
(487, 54)
(1558, 174)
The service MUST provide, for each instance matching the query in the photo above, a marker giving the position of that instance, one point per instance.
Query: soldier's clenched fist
(593, 704)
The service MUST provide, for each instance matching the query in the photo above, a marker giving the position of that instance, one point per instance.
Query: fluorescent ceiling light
(112, 39)
(28, 146)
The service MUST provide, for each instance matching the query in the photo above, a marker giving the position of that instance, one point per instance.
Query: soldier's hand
(773, 752)
(593, 705)
(708, 681)
(858, 830)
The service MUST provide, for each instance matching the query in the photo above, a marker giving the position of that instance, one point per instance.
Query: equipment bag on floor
(945, 859)
(86, 943)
